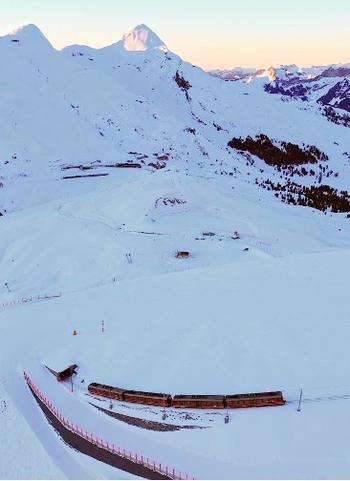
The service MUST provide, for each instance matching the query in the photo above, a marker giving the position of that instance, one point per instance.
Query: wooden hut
(62, 371)
(182, 254)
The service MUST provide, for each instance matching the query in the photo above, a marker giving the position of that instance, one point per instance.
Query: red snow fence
(94, 446)
(29, 299)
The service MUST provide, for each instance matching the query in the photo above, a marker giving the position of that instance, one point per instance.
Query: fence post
(300, 398)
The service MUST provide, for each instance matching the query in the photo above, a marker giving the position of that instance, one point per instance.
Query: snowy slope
(264, 309)
(215, 340)
(18, 438)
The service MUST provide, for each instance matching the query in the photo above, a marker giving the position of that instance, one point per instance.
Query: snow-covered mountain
(291, 81)
(283, 72)
(111, 161)
(135, 101)
(141, 38)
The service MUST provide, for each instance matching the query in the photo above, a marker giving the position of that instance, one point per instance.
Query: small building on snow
(61, 368)
(182, 254)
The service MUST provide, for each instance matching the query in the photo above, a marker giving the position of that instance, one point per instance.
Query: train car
(150, 398)
(272, 398)
(106, 391)
(198, 401)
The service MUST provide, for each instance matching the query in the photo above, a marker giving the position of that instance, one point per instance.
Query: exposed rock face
(338, 96)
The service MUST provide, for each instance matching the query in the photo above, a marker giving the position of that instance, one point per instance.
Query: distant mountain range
(297, 82)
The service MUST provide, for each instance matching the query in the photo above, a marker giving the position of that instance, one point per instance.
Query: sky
(208, 33)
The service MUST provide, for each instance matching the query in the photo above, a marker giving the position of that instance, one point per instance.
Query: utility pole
(103, 326)
(110, 399)
(71, 383)
(300, 397)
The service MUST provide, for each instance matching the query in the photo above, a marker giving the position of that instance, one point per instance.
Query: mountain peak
(29, 30)
(31, 33)
(142, 38)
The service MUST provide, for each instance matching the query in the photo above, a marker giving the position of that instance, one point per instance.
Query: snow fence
(162, 471)
(29, 299)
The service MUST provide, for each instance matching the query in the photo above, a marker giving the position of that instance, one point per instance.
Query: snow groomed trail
(97, 448)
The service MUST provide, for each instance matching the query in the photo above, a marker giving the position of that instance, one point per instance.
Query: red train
(194, 401)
